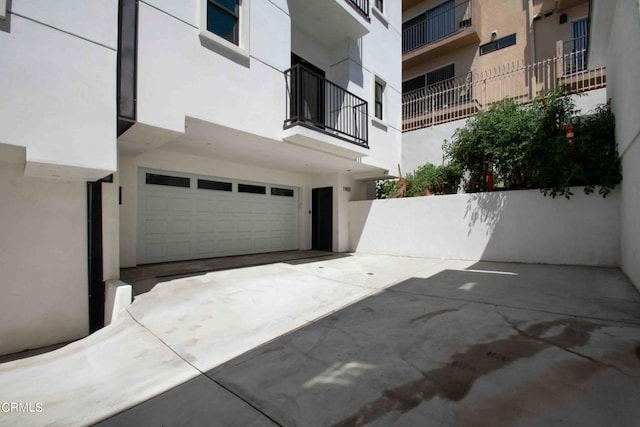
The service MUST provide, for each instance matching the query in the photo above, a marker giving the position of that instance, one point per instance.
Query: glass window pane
(413, 84)
(230, 5)
(222, 23)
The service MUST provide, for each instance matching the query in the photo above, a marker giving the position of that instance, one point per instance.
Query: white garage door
(182, 216)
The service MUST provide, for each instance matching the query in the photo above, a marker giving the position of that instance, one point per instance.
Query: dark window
(172, 181)
(380, 5)
(440, 75)
(413, 84)
(498, 44)
(205, 184)
(287, 192)
(223, 19)
(255, 189)
(378, 99)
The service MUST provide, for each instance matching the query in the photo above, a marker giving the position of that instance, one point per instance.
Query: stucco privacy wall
(515, 226)
(43, 260)
(623, 60)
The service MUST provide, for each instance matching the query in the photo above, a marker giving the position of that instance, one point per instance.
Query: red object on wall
(570, 134)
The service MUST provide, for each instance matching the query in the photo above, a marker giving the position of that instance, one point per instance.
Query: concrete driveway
(353, 340)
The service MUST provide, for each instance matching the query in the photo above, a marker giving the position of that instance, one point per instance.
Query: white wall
(514, 226)
(623, 61)
(58, 86)
(178, 76)
(43, 260)
(425, 145)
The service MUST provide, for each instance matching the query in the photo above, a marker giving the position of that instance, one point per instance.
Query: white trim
(379, 14)
(379, 78)
(221, 45)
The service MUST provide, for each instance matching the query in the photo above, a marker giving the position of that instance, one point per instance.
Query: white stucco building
(206, 127)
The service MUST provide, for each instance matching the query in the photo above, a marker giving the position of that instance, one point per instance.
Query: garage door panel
(205, 225)
(225, 246)
(225, 226)
(260, 208)
(180, 226)
(180, 249)
(260, 244)
(205, 206)
(276, 242)
(156, 250)
(225, 206)
(180, 223)
(205, 247)
(245, 225)
(155, 227)
(260, 226)
(245, 244)
(181, 204)
(244, 207)
(154, 203)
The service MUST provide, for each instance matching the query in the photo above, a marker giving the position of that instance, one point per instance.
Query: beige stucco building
(453, 38)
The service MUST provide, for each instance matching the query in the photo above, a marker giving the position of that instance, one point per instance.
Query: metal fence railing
(316, 102)
(464, 96)
(436, 23)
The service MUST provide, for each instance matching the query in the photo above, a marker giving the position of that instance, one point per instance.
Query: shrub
(425, 180)
(527, 147)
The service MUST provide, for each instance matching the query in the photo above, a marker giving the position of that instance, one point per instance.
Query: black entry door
(322, 219)
(310, 82)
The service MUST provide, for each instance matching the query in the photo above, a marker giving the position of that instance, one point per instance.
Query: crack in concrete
(219, 384)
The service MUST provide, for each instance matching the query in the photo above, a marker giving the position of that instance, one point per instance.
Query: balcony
(444, 27)
(331, 21)
(463, 97)
(324, 116)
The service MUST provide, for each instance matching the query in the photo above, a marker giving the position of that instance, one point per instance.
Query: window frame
(218, 43)
(379, 81)
(496, 44)
(378, 102)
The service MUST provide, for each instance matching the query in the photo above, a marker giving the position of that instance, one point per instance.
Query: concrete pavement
(351, 341)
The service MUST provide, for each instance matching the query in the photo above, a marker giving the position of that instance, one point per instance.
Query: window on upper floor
(379, 98)
(223, 19)
(380, 5)
(439, 75)
(224, 27)
(498, 44)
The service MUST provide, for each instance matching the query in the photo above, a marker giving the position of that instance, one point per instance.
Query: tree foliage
(527, 147)
(425, 180)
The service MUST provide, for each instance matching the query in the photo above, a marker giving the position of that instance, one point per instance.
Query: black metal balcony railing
(436, 24)
(315, 102)
(362, 6)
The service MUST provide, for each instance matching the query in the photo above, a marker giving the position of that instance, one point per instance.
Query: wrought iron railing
(436, 24)
(361, 5)
(316, 102)
(464, 96)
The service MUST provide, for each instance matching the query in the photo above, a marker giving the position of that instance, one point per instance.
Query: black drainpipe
(94, 234)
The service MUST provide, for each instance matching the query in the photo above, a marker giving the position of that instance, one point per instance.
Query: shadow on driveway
(494, 344)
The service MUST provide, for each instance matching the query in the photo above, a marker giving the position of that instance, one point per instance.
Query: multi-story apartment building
(443, 40)
(462, 56)
(204, 128)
